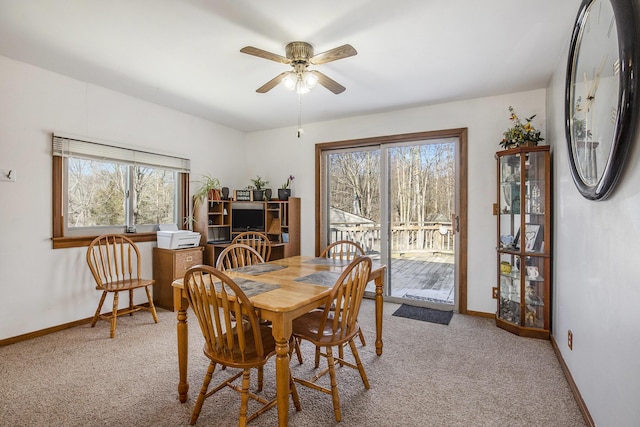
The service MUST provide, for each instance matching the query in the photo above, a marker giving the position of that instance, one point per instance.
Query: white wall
(596, 286)
(41, 287)
(277, 153)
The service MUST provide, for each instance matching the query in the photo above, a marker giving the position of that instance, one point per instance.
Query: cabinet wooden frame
(524, 294)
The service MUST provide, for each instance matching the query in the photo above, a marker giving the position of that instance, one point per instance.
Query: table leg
(281, 331)
(181, 305)
(379, 304)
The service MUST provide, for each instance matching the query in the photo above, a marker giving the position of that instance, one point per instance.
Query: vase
(267, 194)
(258, 195)
(284, 193)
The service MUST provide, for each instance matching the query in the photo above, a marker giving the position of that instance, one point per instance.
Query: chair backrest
(217, 301)
(343, 250)
(238, 255)
(343, 303)
(113, 258)
(258, 241)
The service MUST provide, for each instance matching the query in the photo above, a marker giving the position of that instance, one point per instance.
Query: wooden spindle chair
(216, 301)
(114, 261)
(258, 241)
(334, 328)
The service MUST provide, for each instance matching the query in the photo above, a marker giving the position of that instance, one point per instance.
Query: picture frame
(533, 238)
(242, 195)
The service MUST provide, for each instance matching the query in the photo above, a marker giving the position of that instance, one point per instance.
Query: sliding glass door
(399, 202)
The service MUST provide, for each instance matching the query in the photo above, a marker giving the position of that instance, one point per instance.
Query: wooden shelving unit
(213, 220)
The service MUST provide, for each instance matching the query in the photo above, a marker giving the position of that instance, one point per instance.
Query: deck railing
(408, 237)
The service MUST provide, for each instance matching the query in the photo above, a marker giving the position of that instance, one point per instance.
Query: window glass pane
(96, 193)
(154, 199)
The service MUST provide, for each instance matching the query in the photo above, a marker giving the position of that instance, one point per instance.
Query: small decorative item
(507, 240)
(505, 267)
(532, 272)
(242, 195)
(285, 191)
(225, 193)
(267, 194)
(520, 134)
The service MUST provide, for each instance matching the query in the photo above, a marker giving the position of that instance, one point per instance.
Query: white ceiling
(185, 54)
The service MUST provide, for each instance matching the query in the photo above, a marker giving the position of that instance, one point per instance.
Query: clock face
(600, 94)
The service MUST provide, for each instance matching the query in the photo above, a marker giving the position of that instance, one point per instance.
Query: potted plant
(258, 188)
(285, 191)
(209, 188)
(520, 134)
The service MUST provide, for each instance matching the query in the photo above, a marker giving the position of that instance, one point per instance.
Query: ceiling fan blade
(329, 83)
(271, 83)
(334, 54)
(250, 50)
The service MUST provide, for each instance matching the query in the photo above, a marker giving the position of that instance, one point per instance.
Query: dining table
(281, 290)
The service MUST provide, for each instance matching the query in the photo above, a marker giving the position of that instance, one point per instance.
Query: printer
(169, 237)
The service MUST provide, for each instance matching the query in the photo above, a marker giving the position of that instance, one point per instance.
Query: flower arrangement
(289, 181)
(520, 133)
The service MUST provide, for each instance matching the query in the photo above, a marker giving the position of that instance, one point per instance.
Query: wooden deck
(423, 276)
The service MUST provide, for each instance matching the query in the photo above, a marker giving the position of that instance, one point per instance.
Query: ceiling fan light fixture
(310, 79)
(290, 80)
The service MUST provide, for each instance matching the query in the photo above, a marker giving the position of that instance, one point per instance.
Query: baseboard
(481, 314)
(46, 331)
(42, 332)
(574, 388)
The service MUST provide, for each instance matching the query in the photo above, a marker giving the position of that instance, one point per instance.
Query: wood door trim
(461, 134)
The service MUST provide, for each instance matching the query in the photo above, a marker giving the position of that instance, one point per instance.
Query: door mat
(425, 314)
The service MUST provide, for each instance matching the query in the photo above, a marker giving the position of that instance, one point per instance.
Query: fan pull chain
(300, 130)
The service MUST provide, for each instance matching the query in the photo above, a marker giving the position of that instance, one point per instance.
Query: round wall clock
(601, 95)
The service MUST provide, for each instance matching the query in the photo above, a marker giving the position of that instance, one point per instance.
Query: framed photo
(533, 238)
(242, 195)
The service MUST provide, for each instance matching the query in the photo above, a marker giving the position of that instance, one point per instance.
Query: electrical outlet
(570, 340)
(494, 292)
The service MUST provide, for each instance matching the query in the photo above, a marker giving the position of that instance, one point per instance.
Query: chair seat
(307, 326)
(125, 285)
(248, 358)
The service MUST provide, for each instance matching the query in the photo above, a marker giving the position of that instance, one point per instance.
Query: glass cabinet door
(523, 252)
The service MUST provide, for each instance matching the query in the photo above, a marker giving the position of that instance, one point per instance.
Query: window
(101, 188)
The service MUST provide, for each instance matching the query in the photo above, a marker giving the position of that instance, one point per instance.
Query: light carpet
(469, 373)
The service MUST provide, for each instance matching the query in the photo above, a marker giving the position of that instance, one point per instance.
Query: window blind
(64, 146)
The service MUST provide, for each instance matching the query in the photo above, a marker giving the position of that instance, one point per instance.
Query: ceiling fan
(300, 55)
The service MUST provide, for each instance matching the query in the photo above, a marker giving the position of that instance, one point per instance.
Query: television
(247, 219)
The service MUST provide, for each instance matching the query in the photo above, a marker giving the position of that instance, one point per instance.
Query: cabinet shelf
(524, 201)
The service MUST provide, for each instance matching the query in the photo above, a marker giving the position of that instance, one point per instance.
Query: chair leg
(356, 356)
(203, 392)
(114, 315)
(296, 345)
(151, 306)
(294, 392)
(260, 377)
(97, 315)
(130, 302)
(244, 402)
(334, 384)
(317, 356)
(361, 335)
